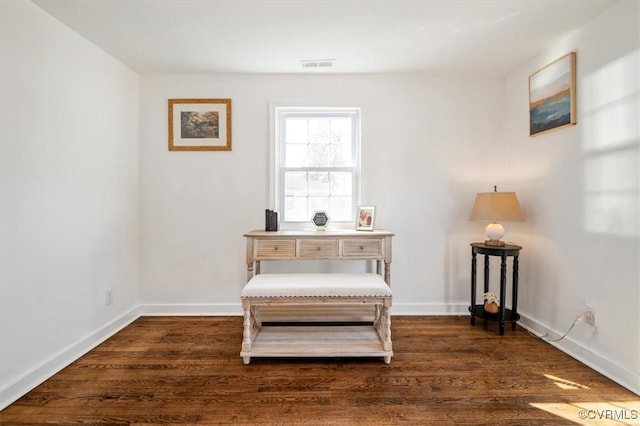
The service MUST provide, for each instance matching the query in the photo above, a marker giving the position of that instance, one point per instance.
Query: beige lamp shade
(496, 207)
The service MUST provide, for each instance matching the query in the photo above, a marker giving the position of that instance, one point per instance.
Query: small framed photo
(365, 218)
(199, 124)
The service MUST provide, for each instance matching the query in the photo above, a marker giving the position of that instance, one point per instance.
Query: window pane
(317, 204)
(341, 209)
(341, 183)
(319, 131)
(342, 155)
(295, 183)
(296, 130)
(341, 130)
(319, 183)
(296, 155)
(295, 209)
(319, 155)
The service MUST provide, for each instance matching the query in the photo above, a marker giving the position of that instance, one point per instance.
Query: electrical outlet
(108, 297)
(589, 315)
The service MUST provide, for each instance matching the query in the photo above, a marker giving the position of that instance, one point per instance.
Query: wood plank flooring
(445, 372)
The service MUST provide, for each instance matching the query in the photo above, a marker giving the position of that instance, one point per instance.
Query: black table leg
(473, 287)
(514, 293)
(486, 273)
(486, 282)
(503, 288)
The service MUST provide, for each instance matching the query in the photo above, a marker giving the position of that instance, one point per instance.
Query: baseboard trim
(195, 309)
(235, 309)
(13, 391)
(430, 309)
(621, 375)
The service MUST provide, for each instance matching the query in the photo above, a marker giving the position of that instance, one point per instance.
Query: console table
(319, 291)
(504, 315)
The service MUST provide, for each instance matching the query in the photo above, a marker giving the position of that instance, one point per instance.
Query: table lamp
(496, 207)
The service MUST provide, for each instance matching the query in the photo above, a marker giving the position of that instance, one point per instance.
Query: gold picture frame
(199, 124)
(552, 96)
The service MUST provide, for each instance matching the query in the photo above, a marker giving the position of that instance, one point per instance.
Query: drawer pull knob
(361, 248)
(318, 248)
(275, 248)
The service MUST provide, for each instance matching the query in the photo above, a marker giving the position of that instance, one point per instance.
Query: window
(317, 163)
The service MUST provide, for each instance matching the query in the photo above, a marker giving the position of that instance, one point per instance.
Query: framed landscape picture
(199, 124)
(552, 96)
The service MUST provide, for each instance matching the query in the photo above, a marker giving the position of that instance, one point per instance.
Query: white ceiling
(274, 36)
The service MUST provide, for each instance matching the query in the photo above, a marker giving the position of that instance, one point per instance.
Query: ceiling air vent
(317, 63)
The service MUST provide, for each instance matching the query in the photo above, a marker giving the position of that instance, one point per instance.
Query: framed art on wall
(199, 124)
(552, 96)
(365, 218)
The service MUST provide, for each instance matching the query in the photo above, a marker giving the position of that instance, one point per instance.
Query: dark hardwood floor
(188, 370)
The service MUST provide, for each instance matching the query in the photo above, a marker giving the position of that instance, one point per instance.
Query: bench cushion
(316, 285)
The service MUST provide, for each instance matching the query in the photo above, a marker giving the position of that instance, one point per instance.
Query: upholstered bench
(334, 340)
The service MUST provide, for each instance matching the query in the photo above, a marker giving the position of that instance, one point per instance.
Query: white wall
(581, 191)
(69, 195)
(425, 145)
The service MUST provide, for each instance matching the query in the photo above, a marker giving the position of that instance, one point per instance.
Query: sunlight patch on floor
(590, 413)
(565, 384)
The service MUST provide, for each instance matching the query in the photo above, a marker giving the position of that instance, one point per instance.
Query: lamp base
(494, 231)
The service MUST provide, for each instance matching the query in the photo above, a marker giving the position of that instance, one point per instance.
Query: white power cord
(545, 336)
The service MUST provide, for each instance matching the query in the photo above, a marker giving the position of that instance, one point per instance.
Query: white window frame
(278, 114)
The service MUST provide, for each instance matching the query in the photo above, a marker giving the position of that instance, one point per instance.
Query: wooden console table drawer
(318, 248)
(275, 248)
(311, 244)
(362, 247)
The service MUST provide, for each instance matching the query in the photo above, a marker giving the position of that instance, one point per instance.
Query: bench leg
(255, 314)
(246, 335)
(376, 316)
(383, 326)
(386, 324)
